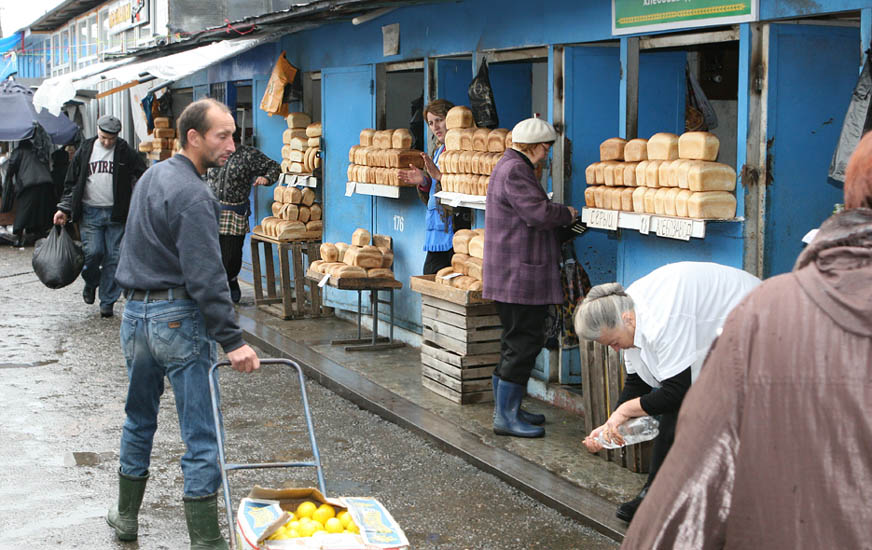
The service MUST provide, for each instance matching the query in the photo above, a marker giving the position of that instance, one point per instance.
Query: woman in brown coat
(772, 444)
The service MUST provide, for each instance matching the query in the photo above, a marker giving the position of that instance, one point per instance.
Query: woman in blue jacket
(438, 242)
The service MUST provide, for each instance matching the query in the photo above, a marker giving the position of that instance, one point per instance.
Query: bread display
(636, 150)
(381, 155)
(698, 146)
(313, 130)
(466, 270)
(359, 259)
(718, 205)
(459, 117)
(298, 120)
(663, 146)
(302, 145)
(612, 149)
(496, 140)
(461, 241)
(163, 143)
(476, 246)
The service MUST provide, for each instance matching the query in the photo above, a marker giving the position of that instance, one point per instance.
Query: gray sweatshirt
(171, 241)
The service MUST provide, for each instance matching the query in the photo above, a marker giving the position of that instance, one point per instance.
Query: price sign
(453, 275)
(644, 224)
(349, 188)
(455, 201)
(323, 282)
(603, 219)
(674, 228)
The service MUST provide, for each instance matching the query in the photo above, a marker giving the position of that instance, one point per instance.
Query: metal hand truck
(316, 463)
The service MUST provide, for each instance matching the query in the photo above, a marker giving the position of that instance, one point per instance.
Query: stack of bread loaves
(295, 215)
(302, 142)
(381, 155)
(359, 259)
(467, 262)
(470, 153)
(163, 143)
(667, 174)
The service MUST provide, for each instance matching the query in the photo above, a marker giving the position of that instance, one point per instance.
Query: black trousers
(231, 254)
(662, 443)
(521, 340)
(436, 261)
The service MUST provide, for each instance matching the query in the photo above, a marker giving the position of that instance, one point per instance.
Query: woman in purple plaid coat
(521, 272)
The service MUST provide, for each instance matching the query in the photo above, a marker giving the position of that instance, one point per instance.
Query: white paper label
(644, 224)
(453, 275)
(674, 228)
(323, 282)
(455, 201)
(603, 219)
(349, 188)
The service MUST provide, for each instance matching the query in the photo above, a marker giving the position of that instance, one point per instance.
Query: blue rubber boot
(507, 402)
(528, 417)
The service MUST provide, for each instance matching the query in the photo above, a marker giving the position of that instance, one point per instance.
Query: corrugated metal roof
(62, 14)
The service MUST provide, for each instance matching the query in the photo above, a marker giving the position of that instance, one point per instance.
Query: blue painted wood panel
(452, 80)
(812, 71)
(661, 92)
(513, 90)
(347, 107)
(591, 77)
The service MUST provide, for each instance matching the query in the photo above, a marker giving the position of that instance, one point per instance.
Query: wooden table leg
(255, 267)
(284, 265)
(270, 270)
(313, 253)
(299, 276)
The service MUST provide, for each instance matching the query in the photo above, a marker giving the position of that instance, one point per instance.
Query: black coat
(129, 165)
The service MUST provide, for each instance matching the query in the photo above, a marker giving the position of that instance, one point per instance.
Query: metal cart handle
(219, 431)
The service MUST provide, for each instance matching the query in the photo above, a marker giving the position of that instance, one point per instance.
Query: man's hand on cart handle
(244, 359)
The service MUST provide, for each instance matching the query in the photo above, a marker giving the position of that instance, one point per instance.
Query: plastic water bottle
(635, 430)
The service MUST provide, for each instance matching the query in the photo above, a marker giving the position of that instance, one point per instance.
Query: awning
(54, 92)
(169, 68)
(10, 42)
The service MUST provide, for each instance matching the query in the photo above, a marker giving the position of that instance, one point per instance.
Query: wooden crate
(602, 380)
(297, 296)
(461, 343)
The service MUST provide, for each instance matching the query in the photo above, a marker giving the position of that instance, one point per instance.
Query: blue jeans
(101, 239)
(168, 338)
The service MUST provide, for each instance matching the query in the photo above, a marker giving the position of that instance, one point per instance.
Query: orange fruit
(333, 525)
(323, 513)
(305, 509)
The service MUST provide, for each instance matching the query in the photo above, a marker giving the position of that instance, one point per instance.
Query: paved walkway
(555, 469)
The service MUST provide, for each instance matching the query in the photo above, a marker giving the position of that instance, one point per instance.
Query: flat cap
(109, 124)
(533, 130)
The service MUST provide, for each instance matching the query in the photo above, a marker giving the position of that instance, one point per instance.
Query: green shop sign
(643, 16)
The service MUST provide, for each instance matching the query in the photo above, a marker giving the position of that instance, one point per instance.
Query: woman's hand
(413, 175)
(431, 168)
(609, 431)
(591, 443)
(260, 180)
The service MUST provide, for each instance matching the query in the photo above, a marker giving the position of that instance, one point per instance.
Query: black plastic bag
(559, 328)
(481, 99)
(858, 121)
(58, 259)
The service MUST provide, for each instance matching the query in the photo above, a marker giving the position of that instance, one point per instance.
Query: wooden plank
(313, 253)
(463, 361)
(285, 283)
(470, 310)
(463, 348)
(462, 386)
(270, 270)
(613, 378)
(299, 278)
(464, 335)
(426, 284)
(598, 390)
(362, 283)
(257, 233)
(457, 372)
(459, 320)
(255, 267)
(586, 349)
(463, 399)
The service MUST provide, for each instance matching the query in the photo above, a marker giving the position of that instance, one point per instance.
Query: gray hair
(601, 308)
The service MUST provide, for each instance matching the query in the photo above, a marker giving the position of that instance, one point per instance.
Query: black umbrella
(18, 117)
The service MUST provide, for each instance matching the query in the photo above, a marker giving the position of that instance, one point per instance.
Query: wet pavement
(63, 390)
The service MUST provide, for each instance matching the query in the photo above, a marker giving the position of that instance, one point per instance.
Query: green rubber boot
(201, 513)
(124, 516)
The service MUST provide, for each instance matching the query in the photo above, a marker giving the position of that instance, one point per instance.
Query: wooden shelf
(648, 224)
(376, 190)
(459, 199)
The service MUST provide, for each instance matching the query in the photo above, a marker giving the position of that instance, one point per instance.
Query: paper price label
(644, 224)
(674, 228)
(349, 188)
(453, 275)
(603, 219)
(323, 282)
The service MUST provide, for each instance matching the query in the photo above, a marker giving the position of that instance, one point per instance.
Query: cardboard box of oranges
(288, 519)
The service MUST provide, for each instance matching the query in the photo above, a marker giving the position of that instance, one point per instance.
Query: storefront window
(82, 38)
(65, 47)
(54, 52)
(93, 34)
(103, 43)
(144, 34)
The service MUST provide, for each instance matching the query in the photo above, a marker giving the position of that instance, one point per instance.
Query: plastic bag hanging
(857, 122)
(481, 99)
(57, 259)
